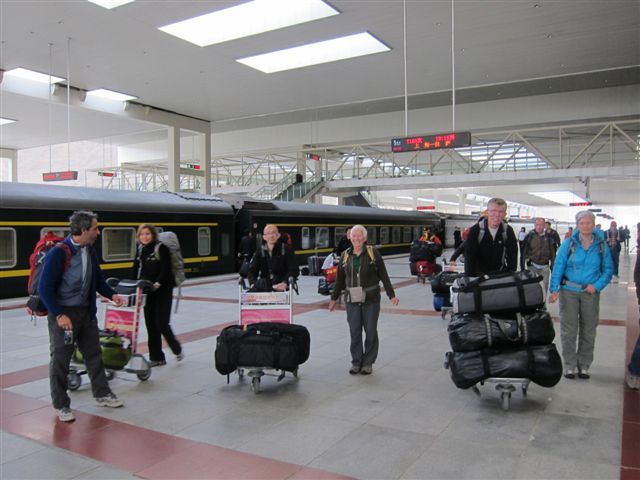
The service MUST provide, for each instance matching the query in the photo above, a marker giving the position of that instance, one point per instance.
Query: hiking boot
(180, 356)
(157, 363)
(583, 373)
(366, 370)
(355, 369)
(633, 381)
(569, 373)
(110, 401)
(66, 415)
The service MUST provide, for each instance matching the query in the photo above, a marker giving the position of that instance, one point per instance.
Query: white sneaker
(633, 381)
(109, 401)
(180, 356)
(66, 415)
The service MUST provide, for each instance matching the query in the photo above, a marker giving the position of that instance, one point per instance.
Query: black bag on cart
(275, 345)
(502, 292)
(425, 251)
(540, 364)
(472, 331)
(226, 353)
(442, 282)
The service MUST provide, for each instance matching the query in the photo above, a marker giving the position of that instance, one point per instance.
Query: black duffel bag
(540, 364)
(300, 334)
(226, 353)
(472, 331)
(424, 251)
(442, 282)
(501, 292)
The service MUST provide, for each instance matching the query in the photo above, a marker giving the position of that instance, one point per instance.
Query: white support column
(11, 155)
(173, 156)
(462, 200)
(204, 141)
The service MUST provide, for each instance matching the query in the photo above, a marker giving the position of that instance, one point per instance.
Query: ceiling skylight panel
(561, 197)
(111, 95)
(251, 18)
(33, 75)
(326, 51)
(110, 3)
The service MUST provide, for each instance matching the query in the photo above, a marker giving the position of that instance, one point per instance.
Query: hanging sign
(60, 176)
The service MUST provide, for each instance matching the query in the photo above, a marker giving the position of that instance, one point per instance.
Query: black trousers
(157, 314)
(86, 336)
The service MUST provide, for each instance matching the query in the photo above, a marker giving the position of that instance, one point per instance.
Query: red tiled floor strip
(143, 452)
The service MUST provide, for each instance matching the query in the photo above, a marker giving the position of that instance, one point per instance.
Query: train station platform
(406, 421)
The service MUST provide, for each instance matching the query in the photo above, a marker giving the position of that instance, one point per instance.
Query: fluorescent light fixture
(110, 3)
(4, 121)
(316, 53)
(110, 95)
(248, 19)
(562, 197)
(33, 76)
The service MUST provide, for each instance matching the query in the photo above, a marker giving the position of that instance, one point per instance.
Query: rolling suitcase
(314, 262)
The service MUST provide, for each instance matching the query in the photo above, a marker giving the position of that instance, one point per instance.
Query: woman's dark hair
(81, 220)
(152, 229)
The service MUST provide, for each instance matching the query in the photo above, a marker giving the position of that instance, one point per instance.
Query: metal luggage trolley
(125, 322)
(506, 386)
(258, 307)
(446, 310)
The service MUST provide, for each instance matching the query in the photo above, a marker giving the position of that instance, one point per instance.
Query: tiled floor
(406, 421)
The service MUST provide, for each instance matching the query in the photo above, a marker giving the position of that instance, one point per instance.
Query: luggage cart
(125, 322)
(506, 386)
(256, 307)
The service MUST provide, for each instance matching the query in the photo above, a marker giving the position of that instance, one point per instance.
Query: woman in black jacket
(153, 263)
(273, 264)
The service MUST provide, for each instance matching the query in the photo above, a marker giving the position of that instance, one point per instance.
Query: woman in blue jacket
(582, 269)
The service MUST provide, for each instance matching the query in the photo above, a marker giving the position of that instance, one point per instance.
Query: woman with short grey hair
(582, 269)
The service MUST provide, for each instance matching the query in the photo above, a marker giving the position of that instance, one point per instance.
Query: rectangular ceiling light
(110, 3)
(248, 19)
(562, 197)
(111, 95)
(4, 121)
(34, 76)
(332, 50)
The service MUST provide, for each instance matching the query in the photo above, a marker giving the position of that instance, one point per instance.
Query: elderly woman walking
(360, 271)
(582, 269)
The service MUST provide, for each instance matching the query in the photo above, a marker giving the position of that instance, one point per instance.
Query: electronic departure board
(431, 142)
(59, 176)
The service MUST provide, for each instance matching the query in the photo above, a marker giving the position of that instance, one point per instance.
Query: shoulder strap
(370, 253)
(156, 250)
(481, 231)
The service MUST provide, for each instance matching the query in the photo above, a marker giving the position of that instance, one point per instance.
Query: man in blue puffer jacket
(68, 287)
(582, 269)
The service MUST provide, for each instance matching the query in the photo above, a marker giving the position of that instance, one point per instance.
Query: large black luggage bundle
(472, 331)
(442, 282)
(425, 251)
(502, 292)
(267, 344)
(540, 364)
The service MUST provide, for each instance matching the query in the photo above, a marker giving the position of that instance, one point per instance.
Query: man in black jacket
(491, 246)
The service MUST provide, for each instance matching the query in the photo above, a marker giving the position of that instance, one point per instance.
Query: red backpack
(35, 307)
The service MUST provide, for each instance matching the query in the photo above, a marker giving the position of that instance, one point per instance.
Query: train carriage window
(338, 233)
(417, 232)
(8, 248)
(306, 238)
(395, 235)
(406, 235)
(59, 231)
(372, 237)
(384, 235)
(225, 244)
(204, 241)
(322, 237)
(118, 243)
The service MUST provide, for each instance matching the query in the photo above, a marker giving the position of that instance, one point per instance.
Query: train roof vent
(253, 205)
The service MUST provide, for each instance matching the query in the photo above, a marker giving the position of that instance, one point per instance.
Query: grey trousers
(363, 316)
(579, 315)
(86, 336)
(544, 273)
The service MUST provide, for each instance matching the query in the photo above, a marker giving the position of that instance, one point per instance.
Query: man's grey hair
(498, 201)
(585, 213)
(360, 228)
(81, 220)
